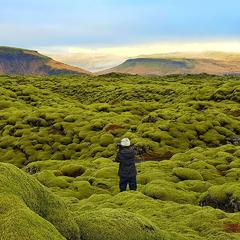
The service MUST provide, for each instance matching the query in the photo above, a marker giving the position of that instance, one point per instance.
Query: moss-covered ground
(58, 178)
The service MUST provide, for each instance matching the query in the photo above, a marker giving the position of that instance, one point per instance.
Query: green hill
(28, 62)
(58, 178)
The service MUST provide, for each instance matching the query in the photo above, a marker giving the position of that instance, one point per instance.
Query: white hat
(125, 142)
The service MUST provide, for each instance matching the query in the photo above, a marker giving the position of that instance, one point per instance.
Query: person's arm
(117, 159)
(135, 153)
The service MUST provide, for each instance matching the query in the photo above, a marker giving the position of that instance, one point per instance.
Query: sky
(100, 33)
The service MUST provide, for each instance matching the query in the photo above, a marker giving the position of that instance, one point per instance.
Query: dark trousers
(132, 181)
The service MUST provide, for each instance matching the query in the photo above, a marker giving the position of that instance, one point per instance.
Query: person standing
(127, 170)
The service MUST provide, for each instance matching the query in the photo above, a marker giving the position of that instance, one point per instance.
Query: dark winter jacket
(126, 159)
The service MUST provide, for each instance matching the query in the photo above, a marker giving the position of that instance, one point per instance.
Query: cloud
(90, 61)
(96, 59)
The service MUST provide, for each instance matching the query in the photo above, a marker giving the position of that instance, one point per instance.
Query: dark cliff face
(27, 62)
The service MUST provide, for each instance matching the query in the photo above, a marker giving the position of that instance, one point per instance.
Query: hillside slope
(28, 62)
(179, 64)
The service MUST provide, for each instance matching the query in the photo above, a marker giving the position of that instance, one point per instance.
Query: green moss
(17, 221)
(34, 200)
(66, 140)
(103, 162)
(35, 121)
(37, 155)
(187, 174)
(191, 134)
(106, 172)
(97, 125)
(5, 104)
(149, 171)
(58, 155)
(237, 153)
(96, 150)
(212, 137)
(202, 127)
(224, 131)
(233, 175)
(181, 221)
(225, 196)
(117, 224)
(107, 184)
(145, 145)
(15, 157)
(70, 118)
(158, 136)
(105, 140)
(199, 165)
(212, 176)
(224, 167)
(175, 121)
(83, 189)
(109, 151)
(235, 164)
(49, 179)
(168, 191)
(7, 142)
(73, 170)
(194, 185)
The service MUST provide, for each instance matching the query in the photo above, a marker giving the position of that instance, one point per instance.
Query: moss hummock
(117, 224)
(34, 204)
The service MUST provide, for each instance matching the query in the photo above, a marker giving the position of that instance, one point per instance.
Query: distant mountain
(180, 63)
(29, 62)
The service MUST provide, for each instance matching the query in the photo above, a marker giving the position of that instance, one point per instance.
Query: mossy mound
(225, 197)
(117, 224)
(107, 173)
(82, 188)
(106, 139)
(49, 179)
(168, 191)
(35, 204)
(194, 185)
(17, 221)
(187, 174)
(172, 220)
(73, 170)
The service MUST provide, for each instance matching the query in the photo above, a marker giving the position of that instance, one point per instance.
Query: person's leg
(123, 184)
(133, 183)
